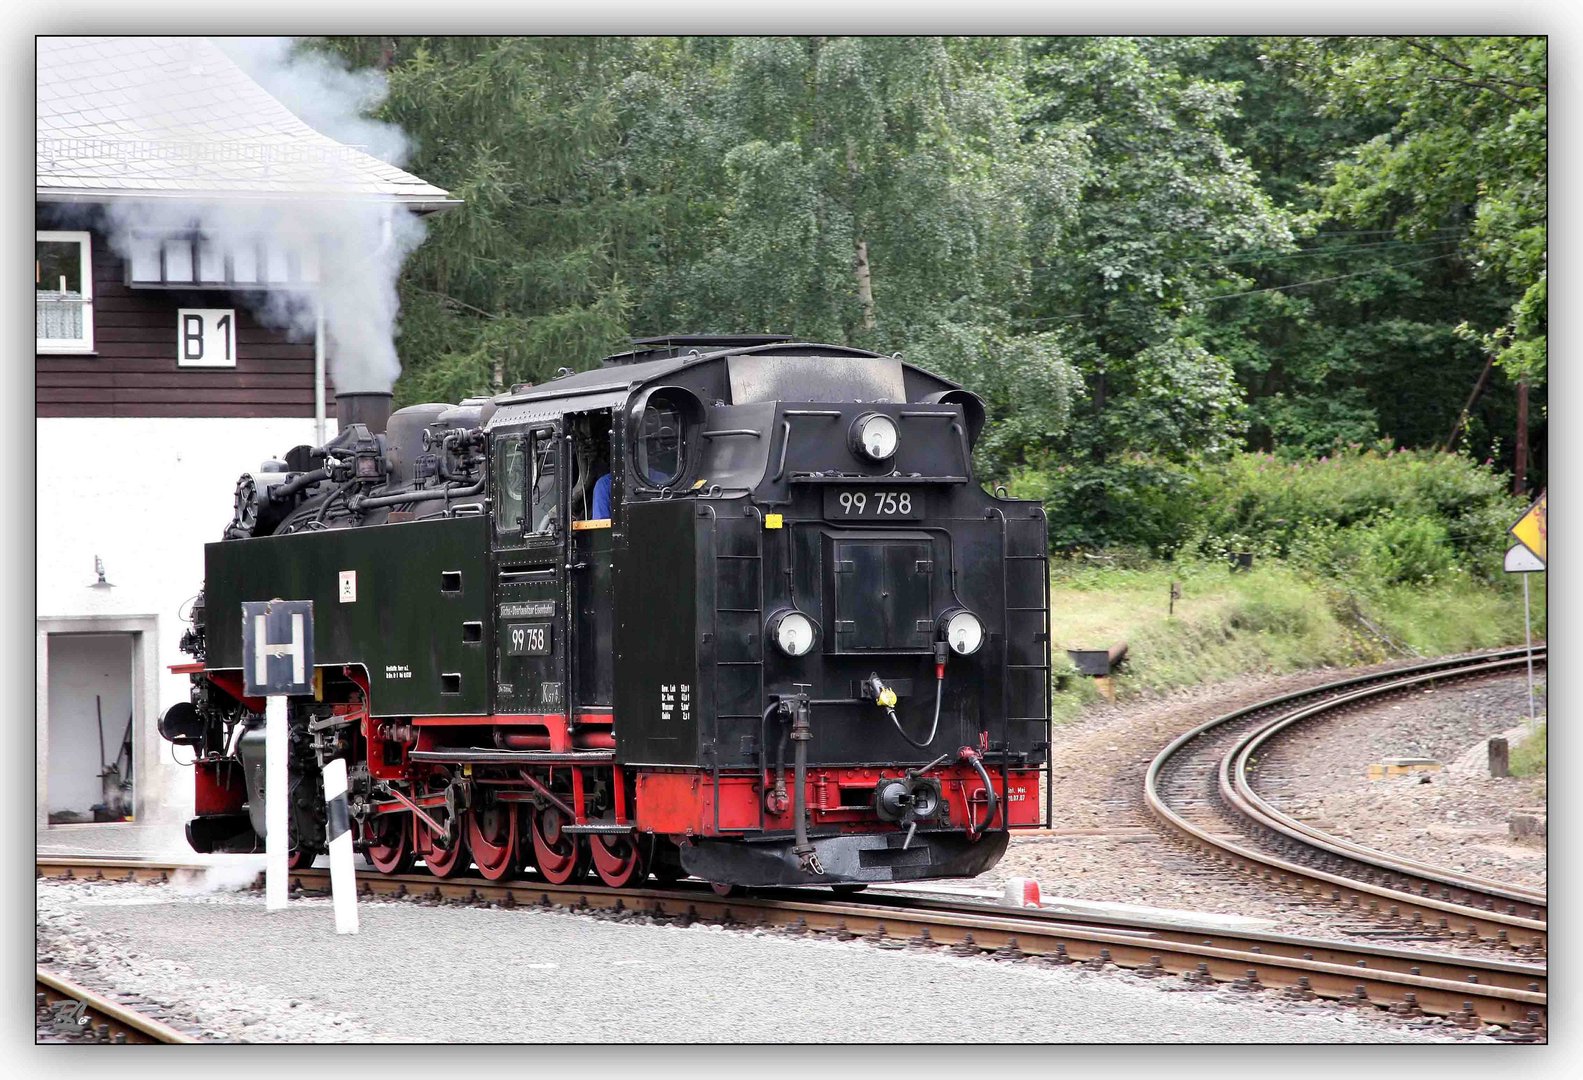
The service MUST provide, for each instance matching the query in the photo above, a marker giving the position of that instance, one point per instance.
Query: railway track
(67, 1012)
(1472, 990)
(1199, 787)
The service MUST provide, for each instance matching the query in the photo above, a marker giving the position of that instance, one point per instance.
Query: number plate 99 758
(873, 504)
(528, 639)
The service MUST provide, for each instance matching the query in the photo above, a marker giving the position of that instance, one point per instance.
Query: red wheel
(492, 837)
(558, 855)
(300, 858)
(390, 843)
(618, 860)
(443, 862)
(722, 889)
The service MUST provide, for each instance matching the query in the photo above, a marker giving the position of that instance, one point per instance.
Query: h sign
(277, 647)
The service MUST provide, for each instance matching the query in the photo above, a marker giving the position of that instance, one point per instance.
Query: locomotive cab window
(660, 444)
(511, 470)
(545, 476)
(664, 436)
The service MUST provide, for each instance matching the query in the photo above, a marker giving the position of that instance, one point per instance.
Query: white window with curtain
(63, 291)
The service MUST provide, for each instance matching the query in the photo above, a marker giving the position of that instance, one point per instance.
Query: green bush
(1444, 509)
(1130, 501)
(1409, 550)
(1379, 515)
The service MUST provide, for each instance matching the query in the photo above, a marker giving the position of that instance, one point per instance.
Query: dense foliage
(1173, 267)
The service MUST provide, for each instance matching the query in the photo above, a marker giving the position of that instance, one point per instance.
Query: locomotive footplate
(854, 857)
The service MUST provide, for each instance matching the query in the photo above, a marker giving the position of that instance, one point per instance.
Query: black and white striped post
(343, 888)
(277, 663)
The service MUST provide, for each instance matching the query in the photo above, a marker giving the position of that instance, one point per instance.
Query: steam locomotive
(730, 607)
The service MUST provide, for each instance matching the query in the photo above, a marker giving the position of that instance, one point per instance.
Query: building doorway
(91, 738)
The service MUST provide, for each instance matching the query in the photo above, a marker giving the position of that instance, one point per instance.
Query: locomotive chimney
(371, 408)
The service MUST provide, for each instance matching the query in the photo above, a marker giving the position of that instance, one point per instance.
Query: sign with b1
(277, 647)
(206, 337)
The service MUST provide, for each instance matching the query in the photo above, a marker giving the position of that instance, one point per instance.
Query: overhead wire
(1267, 289)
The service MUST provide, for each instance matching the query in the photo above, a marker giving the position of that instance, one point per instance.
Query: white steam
(326, 95)
(358, 242)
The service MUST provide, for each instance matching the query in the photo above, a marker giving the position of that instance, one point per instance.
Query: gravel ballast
(224, 967)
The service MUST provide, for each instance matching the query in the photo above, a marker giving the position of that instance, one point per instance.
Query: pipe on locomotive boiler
(291, 487)
(425, 495)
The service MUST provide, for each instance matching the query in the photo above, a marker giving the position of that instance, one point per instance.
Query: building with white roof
(175, 201)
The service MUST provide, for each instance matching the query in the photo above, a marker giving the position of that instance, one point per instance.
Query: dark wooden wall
(133, 371)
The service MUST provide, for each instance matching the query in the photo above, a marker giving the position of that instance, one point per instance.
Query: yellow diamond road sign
(1532, 529)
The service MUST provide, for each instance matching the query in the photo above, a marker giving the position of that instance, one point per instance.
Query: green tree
(1468, 151)
(526, 276)
(1165, 208)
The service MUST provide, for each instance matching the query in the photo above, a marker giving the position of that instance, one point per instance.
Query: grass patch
(1273, 619)
(1529, 757)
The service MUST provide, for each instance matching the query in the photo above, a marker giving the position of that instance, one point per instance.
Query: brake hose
(971, 757)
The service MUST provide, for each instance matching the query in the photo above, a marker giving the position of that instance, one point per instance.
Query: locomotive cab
(731, 607)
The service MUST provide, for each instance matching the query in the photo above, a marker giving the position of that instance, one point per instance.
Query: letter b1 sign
(206, 337)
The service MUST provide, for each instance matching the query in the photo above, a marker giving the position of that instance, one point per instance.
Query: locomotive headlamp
(963, 632)
(875, 436)
(793, 633)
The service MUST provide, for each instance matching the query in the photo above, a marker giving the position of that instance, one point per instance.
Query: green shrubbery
(1373, 516)
(1276, 618)
(1365, 555)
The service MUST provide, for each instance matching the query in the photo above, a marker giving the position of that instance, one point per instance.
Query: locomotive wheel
(722, 889)
(300, 858)
(618, 860)
(848, 889)
(390, 843)
(559, 856)
(443, 862)
(492, 836)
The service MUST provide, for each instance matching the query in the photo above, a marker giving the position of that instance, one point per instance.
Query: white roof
(151, 117)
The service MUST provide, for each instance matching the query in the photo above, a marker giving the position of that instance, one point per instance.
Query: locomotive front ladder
(748, 569)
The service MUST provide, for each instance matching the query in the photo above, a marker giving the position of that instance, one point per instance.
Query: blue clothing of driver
(601, 507)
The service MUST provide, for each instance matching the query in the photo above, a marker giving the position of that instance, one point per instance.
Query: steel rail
(109, 1020)
(1235, 785)
(1470, 913)
(1473, 990)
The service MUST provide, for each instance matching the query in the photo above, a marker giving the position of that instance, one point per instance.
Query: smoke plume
(358, 243)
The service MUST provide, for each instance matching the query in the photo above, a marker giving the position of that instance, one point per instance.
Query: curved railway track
(1198, 786)
(1409, 982)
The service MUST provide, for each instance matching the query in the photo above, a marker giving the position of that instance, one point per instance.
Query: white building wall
(144, 495)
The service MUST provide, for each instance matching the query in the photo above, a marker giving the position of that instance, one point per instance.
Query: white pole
(343, 889)
(1528, 636)
(319, 421)
(277, 796)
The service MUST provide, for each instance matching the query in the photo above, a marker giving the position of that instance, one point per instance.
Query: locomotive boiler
(729, 607)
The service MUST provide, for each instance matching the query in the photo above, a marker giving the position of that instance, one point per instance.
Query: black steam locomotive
(729, 607)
